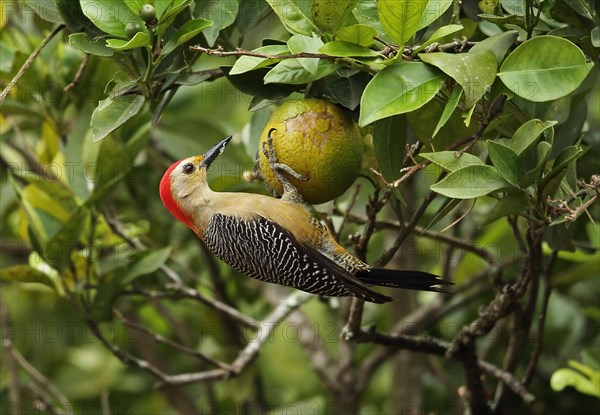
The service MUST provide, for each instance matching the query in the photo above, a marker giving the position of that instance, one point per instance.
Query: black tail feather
(410, 280)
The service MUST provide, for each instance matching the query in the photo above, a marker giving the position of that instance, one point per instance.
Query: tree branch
(249, 353)
(29, 61)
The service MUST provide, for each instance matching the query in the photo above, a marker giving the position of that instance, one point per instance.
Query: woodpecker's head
(184, 178)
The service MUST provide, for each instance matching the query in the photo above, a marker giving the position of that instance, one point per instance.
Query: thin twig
(78, 74)
(160, 339)
(250, 352)
(29, 61)
(537, 349)
(241, 52)
(125, 357)
(438, 347)
(14, 388)
(187, 292)
(39, 378)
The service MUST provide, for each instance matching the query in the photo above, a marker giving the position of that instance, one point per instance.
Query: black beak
(214, 152)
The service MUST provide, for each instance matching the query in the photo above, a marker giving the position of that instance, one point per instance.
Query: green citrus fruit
(147, 12)
(318, 140)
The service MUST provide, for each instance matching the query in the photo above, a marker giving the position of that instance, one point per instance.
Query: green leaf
(291, 71)
(497, 44)
(294, 14)
(66, 238)
(528, 134)
(341, 48)
(552, 180)
(301, 43)
(533, 175)
(146, 263)
(401, 18)
(366, 12)
(27, 274)
(190, 29)
(414, 84)
(71, 14)
(7, 57)
(359, 34)
(114, 162)
(433, 11)
(135, 5)
(170, 11)
(252, 83)
(141, 263)
(568, 377)
(471, 182)
(474, 72)
(94, 47)
(221, 13)
(438, 34)
(110, 16)
(544, 68)
(248, 63)
(511, 204)
(448, 206)
(447, 160)
(449, 108)
(595, 36)
(329, 14)
(346, 91)
(140, 40)
(506, 162)
(111, 113)
(488, 6)
(389, 140)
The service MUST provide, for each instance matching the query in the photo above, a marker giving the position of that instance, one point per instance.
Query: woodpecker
(274, 240)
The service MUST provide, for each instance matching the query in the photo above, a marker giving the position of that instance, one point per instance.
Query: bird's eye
(188, 168)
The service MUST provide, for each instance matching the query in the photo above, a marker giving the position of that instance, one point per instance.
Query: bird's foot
(290, 193)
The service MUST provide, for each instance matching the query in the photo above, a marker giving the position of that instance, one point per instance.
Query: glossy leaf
(110, 16)
(190, 29)
(511, 204)
(27, 274)
(528, 134)
(221, 13)
(248, 63)
(401, 18)
(506, 162)
(341, 48)
(433, 11)
(498, 44)
(586, 383)
(291, 71)
(300, 44)
(328, 15)
(448, 160)
(140, 40)
(471, 182)
(449, 108)
(96, 47)
(295, 16)
(438, 34)
(359, 34)
(544, 68)
(474, 72)
(389, 139)
(111, 113)
(417, 84)
(366, 13)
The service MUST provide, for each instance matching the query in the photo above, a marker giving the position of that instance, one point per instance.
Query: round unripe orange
(317, 140)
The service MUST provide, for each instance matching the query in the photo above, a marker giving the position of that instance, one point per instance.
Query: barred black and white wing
(262, 249)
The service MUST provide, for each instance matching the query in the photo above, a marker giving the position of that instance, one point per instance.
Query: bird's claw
(290, 192)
